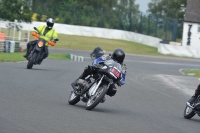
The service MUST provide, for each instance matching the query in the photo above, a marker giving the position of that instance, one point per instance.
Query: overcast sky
(143, 4)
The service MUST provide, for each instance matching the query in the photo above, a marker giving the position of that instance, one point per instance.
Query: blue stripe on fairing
(97, 61)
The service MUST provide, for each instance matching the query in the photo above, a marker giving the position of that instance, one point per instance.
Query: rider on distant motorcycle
(48, 34)
(118, 56)
(194, 97)
(97, 49)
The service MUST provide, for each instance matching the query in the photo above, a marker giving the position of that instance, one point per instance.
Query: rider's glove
(118, 83)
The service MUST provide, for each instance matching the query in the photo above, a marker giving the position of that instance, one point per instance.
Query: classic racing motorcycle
(98, 84)
(192, 109)
(37, 54)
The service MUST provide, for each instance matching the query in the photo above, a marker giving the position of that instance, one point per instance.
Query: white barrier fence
(75, 57)
(121, 35)
(179, 50)
(98, 32)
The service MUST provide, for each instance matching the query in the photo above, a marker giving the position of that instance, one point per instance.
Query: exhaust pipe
(189, 105)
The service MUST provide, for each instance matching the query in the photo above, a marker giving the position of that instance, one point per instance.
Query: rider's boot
(28, 51)
(26, 55)
(39, 62)
(103, 100)
(192, 99)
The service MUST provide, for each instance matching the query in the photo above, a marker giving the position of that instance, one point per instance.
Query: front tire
(73, 99)
(188, 112)
(97, 98)
(31, 61)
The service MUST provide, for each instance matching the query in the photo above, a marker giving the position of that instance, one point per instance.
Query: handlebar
(38, 36)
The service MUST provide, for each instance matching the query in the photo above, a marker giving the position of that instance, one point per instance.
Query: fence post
(141, 26)
(148, 28)
(6, 46)
(12, 46)
(2, 45)
(156, 27)
(124, 28)
(130, 21)
(175, 30)
(165, 28)
(101, 17)
(74, 16)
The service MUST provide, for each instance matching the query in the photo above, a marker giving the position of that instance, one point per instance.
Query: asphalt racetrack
(151, 101)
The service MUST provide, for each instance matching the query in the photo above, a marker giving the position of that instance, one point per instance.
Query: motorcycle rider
(48, 34)
(118, 56)
(196, 94)
(97, 49)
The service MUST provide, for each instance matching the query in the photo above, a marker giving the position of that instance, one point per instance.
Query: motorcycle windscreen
(40, 44)
(112, 63)
(115, 68)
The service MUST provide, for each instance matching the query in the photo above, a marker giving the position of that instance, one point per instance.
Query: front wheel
(73, 98)
(94, 100)
(31, 61)
(188, 112)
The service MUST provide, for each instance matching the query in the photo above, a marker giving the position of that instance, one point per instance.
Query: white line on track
(181, 71)
(163, 63)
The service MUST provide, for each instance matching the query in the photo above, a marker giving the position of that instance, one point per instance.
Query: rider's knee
(112, 90)
(88, 70)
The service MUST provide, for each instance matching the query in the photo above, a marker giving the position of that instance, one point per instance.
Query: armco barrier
(11, 46)
(2, 44)
(75, 57)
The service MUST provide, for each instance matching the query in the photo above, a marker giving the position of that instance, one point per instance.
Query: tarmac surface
(152, 100)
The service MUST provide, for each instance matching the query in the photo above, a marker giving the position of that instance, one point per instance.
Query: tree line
(114, 14)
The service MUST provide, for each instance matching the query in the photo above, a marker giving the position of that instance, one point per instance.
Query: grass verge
(11, 57)
(89, 43)
(58, 56)
(14, 57)
(194, 72)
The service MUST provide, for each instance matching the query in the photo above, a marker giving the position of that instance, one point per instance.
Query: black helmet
(50, 23)
(118, 55)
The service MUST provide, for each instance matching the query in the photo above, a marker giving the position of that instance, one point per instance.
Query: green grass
(89, 43)
(58, 56)
(195, 72)
(13, 57)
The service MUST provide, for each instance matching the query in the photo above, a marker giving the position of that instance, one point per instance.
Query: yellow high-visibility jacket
(50, 35)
